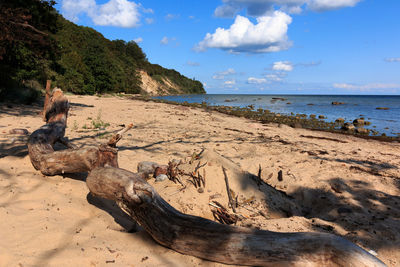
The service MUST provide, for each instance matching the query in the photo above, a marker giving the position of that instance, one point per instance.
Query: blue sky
(260, 46)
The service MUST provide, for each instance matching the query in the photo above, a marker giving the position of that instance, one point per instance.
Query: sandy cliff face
(154, 87)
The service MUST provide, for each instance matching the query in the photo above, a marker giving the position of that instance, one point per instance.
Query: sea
(385, 120)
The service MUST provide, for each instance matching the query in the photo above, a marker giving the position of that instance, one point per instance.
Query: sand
(329, 183)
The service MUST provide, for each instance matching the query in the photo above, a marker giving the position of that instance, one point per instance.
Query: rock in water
(339, 120)
(359, 122)
(362, 130)
(348, 127)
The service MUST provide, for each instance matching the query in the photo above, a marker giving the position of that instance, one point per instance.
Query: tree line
(37, 43)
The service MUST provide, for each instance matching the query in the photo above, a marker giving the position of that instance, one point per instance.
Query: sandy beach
(314, 181)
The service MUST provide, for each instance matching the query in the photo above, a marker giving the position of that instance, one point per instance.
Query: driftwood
(50, 162)
(209, 240)
(46, 99)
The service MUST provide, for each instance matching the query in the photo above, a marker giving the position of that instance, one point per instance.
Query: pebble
(147, 167)
(19, 131)
(161, 177)
(162, 169)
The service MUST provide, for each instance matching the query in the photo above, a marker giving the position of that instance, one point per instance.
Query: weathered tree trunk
(217, 242)
(50, 162)
(46, 99)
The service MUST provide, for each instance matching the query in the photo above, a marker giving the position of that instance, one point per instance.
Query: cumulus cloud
(221, 75)
(261, 7)
(253, 80)
(228, 10)
(138, 40)
(366, 87)
(269, 34)
(72, 8)
(119, 13)
(392, 59)
(282, 66)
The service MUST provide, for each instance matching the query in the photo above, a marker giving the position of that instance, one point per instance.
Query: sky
(260, 46)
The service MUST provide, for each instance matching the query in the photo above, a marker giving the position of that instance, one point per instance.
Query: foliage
(98, 122)
(26, 43)
(36, 43)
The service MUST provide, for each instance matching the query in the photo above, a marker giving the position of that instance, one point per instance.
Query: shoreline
(294, 120)
(338, 184)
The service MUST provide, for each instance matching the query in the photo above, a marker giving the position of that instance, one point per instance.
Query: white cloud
(229, 83)
(171, 17)
(366, 87)
(72, 8)
(221, 75)
(164, 40)
(282, 66)
(138, 40)
(323, 5)
(392, 59)
(253, 80)
(268, 35)
(274, 77)
(226, 10)
(119, 13)
(228, 71)
(193, 64)
(261, 7)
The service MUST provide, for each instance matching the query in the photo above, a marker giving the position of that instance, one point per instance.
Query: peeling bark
(209, 240)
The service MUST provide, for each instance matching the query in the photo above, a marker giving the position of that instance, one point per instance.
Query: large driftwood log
(209, 240)
(50, 162)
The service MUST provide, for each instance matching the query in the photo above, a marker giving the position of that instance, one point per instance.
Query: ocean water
(355, 106)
